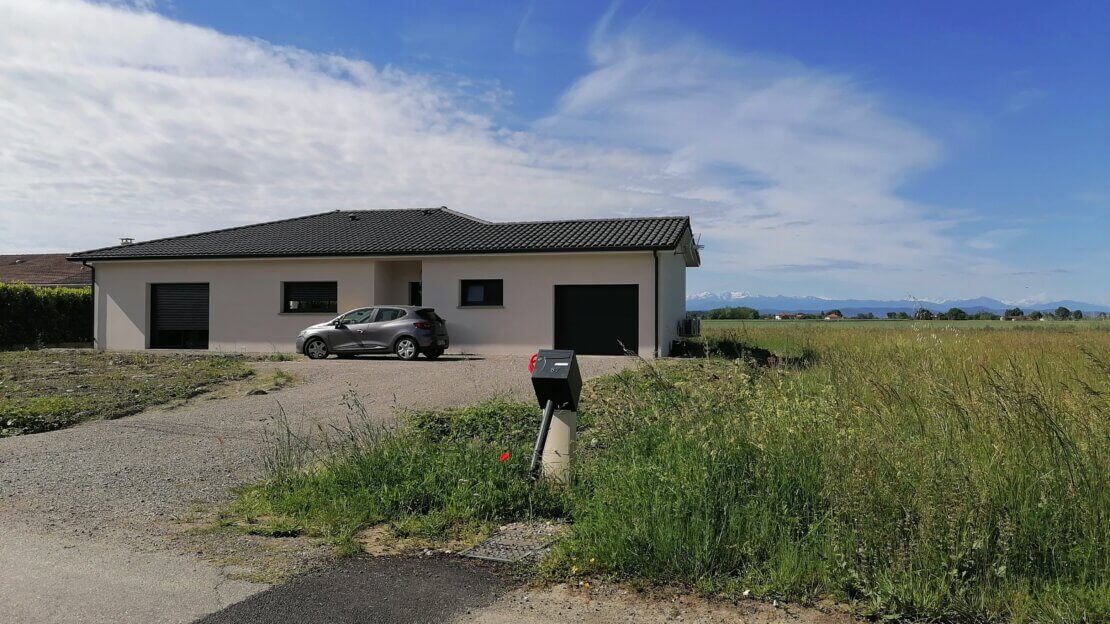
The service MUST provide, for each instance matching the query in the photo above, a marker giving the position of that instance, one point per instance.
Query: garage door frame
(599, 317)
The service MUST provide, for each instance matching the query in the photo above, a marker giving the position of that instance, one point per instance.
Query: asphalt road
(382, 590)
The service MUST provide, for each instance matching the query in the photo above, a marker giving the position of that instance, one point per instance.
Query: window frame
(402, 313)
(286, 300)
(486, 302)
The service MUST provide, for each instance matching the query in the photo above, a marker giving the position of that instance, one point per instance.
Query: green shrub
(31, 316)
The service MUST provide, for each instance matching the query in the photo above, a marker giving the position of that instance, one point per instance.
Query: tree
(1077, 315)
(1013, 313)
(924, 314)
(1036, 315)
(956, 314)
(986, 316)
(742, 312)
(1062, 313)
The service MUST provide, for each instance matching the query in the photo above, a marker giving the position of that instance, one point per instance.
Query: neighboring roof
(405, 232)
(43, 270)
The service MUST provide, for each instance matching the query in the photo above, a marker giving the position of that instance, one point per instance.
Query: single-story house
(504, 287)
(43, 270)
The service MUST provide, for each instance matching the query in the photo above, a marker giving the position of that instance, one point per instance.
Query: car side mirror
(339, 324)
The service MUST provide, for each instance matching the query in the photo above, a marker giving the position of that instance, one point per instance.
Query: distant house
(833, 317)
(44, 270)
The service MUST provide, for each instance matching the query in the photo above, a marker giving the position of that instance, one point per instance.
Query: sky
(865, 149)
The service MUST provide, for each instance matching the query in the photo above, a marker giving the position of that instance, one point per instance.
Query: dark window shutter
(179, 306)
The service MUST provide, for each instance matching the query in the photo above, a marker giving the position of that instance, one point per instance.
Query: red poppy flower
(504, 457)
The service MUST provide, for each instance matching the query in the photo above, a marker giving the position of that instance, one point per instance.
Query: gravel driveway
(119, 484)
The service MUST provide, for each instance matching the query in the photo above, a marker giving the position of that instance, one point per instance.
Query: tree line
(924, 314)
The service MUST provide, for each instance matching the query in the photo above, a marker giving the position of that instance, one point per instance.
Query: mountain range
(879, 307)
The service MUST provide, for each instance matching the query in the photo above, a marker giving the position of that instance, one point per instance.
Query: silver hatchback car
(404, 330)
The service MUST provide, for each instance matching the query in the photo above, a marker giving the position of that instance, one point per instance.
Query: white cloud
(118, 122)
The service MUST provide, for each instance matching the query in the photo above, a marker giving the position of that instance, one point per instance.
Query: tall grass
(439, 474)
(959, 475)
(913, 473)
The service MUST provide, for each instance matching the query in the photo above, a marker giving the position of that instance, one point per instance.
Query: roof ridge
(594, 220)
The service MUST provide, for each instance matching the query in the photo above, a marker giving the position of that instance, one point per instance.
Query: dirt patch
(612, 604)
(48, 390)
(243, 555)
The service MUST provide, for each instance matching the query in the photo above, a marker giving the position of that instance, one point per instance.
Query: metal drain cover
(517, 541)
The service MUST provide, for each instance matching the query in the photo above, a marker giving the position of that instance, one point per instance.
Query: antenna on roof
(126, 241)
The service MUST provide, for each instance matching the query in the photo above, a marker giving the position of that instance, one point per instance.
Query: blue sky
(865, 149)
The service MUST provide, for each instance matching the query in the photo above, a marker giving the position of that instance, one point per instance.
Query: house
(833, 316)
(43, 270)
(510, 287)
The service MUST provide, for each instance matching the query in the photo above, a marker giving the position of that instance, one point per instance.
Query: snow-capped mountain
(781, 303)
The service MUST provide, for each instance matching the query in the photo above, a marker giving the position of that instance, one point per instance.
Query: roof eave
(370, 254)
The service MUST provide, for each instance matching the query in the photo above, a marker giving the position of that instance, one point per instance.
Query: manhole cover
(517, 541)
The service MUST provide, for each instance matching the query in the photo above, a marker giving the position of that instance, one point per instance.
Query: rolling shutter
(179, 307)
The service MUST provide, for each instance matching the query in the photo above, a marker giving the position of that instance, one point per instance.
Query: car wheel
(316, 349)
(406, 348)
(432, 354)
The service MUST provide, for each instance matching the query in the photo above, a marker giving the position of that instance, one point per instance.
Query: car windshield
(355, 316)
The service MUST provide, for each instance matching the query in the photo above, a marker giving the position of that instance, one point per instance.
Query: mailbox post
(558, 384)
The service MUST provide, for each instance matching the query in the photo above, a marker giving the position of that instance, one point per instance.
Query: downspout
(85, 263)
(655, 258)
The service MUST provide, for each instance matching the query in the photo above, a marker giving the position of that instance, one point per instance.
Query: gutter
(372, 254)
(655, 258)
(92, 268)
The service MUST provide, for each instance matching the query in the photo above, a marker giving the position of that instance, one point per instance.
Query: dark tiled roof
(404, 232)
(43, 270)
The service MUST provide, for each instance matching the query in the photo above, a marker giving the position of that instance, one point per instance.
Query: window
(482, 292)
(354, 317)
(415, 296)
(310, 297)
(389, 314)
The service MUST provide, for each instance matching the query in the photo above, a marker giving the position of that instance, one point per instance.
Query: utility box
(556, 378)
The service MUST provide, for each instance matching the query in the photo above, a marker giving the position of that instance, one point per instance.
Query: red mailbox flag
(532, 362)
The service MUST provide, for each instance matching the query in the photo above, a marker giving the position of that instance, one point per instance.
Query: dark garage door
(179, 316)
(597, 319)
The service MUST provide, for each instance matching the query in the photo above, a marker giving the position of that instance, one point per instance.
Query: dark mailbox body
(556, 377)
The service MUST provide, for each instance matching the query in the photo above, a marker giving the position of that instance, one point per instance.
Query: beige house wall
(245, 296)
(526, 321)
(672, 297)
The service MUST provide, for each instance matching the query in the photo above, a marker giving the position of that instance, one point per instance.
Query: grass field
(47, 390)
(711, 325)
(911, 471)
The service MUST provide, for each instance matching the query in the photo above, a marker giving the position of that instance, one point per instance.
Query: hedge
(32, 316)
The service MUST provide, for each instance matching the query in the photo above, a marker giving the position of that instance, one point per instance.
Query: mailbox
(556, 378)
